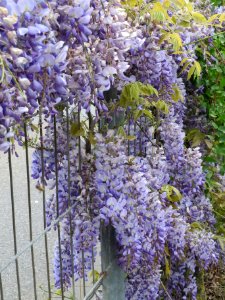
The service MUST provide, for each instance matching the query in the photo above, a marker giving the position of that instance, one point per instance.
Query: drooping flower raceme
(128, 193)
(32, 65)
(70, 54)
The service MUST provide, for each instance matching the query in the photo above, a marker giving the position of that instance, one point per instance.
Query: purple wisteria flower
(71, 53)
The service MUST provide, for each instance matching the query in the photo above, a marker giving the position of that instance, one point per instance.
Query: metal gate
(26, 243)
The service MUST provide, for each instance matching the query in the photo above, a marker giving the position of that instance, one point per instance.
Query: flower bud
(16, 51)
(3, 11)
(10, 20)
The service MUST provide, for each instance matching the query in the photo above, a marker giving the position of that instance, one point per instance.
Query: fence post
(114, 281)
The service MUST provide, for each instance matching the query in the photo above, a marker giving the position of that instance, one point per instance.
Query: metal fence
(26, 243)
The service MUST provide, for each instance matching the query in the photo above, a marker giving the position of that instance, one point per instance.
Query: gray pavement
(22, 232)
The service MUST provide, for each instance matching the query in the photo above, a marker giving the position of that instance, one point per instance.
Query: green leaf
(191, 72)
(195, 70)
(58, 292)
(77, 130)
(130, 137)
(196, 225)
(129, 93)
(175, 40)
(222, 18)
(221, 129)
(34, 127)
(91, 138)
(163, 37)
(221, 241)
(2, 69)
(161, 105)
(220, 149)
(137, 114)
(147, 89)
(184, 60)
(210, 159)
(198, 68)
(167, 268)
(167, 250)
(172, 193)
(122, 132)
(186, 65)
(177, 94)
(184, 23)
(195, 136)
(94, 274)
(147, 113)
(132, 92)
(208, 143)
(159, 13)
(213, 18)
(198, 17)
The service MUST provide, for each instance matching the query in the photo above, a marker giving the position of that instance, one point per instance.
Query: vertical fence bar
(57, 205)
(29, 209)
(92, 250)
(1, 288)
(79, 144)
(93, 266)
(14, 222)
(135, 141)
(145, 150)
(69, 200)
(128, 146)
(140, 138)
(114, 281)
(80, 162)
(84, 283)
(44, 201)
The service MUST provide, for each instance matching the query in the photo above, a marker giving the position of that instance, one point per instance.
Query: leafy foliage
(213, 99)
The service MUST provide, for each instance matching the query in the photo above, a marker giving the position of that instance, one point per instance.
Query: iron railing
(111, 281)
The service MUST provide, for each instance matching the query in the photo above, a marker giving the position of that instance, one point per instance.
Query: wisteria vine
(118, 70)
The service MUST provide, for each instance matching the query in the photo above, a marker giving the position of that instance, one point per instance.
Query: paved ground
(22, 231)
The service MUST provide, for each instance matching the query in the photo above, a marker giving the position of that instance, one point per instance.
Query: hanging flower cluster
(122, 66)
(32, 68)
